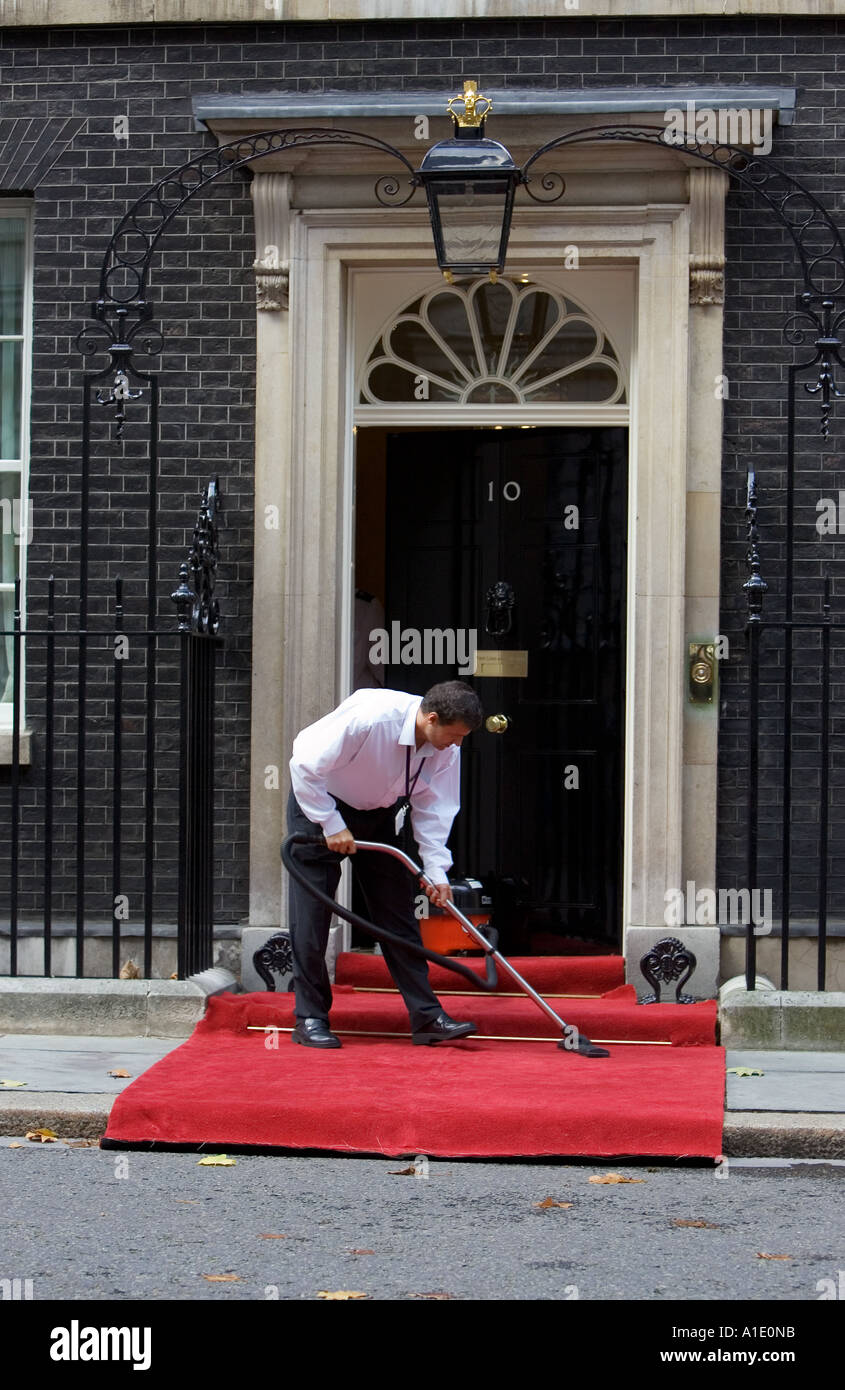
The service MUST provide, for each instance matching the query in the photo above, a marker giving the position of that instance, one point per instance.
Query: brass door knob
(702, 672)
(496, 723)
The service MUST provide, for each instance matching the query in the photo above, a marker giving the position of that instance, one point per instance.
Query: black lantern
(470, 184)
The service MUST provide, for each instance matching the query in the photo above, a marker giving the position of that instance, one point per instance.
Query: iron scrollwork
(551, 183)
(668, 960)
(121, 312)
(817, 238)
(196, 602)
(123, 279)
(391, 192)
(755, 586)
(119, 393)
(114, 332)
(124, 274)
(276, 955)
(817, 313)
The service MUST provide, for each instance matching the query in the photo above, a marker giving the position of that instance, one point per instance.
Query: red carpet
(569, 974)
(227, 1087)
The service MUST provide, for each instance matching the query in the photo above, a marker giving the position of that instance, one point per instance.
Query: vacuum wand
(571, 1039)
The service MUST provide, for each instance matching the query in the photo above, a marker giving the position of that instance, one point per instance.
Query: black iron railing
(199, 620)
(813, 851)
(137, 879)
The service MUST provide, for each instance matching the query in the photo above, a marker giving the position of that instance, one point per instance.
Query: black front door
(514, 541)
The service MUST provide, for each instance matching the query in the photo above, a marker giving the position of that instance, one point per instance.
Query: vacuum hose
(490, 980)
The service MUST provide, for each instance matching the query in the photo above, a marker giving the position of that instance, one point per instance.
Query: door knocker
(500, 599)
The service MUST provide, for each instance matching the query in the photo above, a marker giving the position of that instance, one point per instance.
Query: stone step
(124, 1008)
(788, 1020)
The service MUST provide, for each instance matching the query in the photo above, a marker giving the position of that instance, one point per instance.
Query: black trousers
(389, 890)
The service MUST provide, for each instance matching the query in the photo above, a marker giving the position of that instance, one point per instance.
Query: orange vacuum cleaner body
(442, 932)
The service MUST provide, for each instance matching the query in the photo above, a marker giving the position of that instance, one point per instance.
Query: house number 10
(510, 492)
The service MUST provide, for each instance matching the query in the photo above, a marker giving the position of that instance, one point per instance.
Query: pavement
(795, 1109)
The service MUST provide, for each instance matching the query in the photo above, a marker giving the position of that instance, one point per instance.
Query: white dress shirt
(358, 753)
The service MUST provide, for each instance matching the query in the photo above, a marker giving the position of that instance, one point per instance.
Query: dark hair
(454, 702)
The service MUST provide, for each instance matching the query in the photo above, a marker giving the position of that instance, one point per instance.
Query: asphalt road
(85, 1223)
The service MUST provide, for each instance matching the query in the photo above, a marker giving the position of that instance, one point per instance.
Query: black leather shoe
(442, 1029)
(314, 1032)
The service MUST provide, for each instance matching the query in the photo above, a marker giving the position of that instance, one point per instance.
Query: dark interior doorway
(513, 541)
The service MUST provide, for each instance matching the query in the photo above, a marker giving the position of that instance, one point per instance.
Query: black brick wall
(203, 287)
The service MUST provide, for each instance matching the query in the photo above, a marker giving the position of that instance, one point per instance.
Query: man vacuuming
(357, 774)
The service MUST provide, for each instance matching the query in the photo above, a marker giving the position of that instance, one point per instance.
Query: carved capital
(706, 283)
(707, 189)
(271, 206)
(271, 286)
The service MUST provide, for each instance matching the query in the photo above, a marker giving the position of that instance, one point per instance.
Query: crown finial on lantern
(476, 107)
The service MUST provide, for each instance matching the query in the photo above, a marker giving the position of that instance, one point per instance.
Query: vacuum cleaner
(571, 1040)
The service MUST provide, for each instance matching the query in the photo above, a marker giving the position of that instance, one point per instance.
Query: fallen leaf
(17, 1146)
(270, 1235)
(762, 1256)
(360, 1252)
(745, 1071)
(614, 1177)
(81, 1143)
(13, 1083)
(341, 1293)
(119, 1071)
(216, 1161)
(129, 971)
(222, 1278)
(402, 1173)
(550, 1202)
(187, 1201)
(702, 1225)
(174, 976)
(41, 1136)
(431, 1295)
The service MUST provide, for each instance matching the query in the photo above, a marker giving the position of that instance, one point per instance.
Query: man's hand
(439, 893)
(343, 842)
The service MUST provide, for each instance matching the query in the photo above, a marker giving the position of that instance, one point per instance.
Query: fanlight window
(478, 343)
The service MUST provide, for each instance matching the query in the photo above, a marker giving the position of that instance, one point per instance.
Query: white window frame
(21, 208)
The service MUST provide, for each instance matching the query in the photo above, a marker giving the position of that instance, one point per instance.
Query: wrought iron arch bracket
(817, 238)
(121, 313)
(135, 238)
(783, 193)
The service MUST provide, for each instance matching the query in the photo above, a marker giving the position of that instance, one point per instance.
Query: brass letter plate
(491, 663)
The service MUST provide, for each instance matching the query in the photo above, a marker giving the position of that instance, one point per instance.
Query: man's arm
(434, 805)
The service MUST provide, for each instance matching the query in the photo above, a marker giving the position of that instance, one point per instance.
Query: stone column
(706, 390)
(654, 691)
(268, 753)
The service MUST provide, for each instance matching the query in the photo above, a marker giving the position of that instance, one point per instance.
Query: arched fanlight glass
(473, 343)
